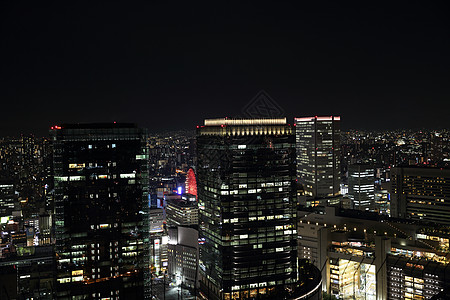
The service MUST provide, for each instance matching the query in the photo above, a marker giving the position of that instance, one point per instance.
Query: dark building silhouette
(247, 197)
(101, 211)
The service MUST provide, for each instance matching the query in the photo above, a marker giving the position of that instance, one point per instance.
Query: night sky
(169, 65)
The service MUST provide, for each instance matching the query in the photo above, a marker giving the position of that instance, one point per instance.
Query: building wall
(318, 158)
(421, 194)
(365, 258)
(247, 196)
(184, 214)
(361, 186)
(101, 210)
(183, 255)
(7, 199)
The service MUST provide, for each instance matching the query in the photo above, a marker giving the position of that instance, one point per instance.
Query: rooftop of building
(423, 168)
(182, 203)
(367, 215)
(110, 125)
(245, 121)
(318, 118)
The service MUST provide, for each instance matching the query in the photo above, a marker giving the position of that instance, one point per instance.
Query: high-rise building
(7, 198)
(421, 193)
(361, 186)
(182, 212)
(318, 155)
(101, 211)
(247, 208)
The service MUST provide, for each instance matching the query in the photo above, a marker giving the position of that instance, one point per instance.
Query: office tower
(101, 211)
(183, 255)
(7, 198)
(361, 186)
(247, 195)
(182, 213)
(421, 194)
(318, 154)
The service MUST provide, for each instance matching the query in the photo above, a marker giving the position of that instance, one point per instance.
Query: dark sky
(168, 65)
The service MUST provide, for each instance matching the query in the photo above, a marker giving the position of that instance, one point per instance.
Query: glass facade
(246, 193)
(353, 279)
(7, 198)
(101, 211)
(361, 186)
(318, 148)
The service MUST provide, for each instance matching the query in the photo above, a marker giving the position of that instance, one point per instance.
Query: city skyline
(227, 213)
(220, 151)
(169, 68)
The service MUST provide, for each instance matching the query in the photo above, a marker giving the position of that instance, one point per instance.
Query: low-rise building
(366, 256)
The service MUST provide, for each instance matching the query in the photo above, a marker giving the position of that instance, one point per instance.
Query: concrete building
(421, 194)
(365, 256)
(183, 255)
(182, 213)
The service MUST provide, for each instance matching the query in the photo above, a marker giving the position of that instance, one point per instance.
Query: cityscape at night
(217, 152)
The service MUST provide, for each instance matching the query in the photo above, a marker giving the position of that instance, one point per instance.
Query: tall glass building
(246, 193)
(101, 211)
(361, 186)
(318, 148)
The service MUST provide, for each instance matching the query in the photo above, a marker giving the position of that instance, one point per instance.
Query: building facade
(318, 155)
(183, 255)
(101, 211)
(365, 256)
(247, 195)
(7, 198)
(361, 186)
(421, 194)
(182, 213)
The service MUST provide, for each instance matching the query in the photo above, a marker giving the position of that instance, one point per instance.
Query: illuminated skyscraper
(247, 196)
(7, 198)
(101, 211)
(361, 186)
(318, 148)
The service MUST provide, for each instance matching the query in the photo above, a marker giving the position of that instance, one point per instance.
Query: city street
(172, 292)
